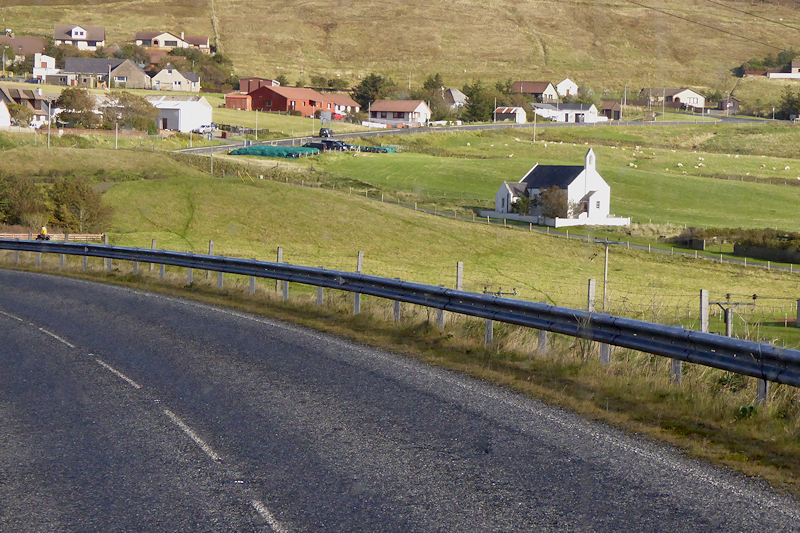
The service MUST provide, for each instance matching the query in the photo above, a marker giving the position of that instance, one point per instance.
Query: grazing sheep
(680, 165)
(786, 168)
(700, 159)
(701, 164)
(510, 155)
(763, 166)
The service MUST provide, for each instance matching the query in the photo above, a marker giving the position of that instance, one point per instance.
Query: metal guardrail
(760, 360)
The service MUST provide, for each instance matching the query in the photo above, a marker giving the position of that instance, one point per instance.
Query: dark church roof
(545, 176)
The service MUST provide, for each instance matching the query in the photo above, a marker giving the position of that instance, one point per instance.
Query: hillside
(605, 45)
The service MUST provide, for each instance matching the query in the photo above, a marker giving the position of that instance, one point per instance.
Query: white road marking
(56, 337)
(11, 316)
(186, 429)
(262, 510)
(118, 374)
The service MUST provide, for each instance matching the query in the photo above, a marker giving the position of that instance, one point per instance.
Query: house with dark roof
(170, 79)
(93, 71)
(454, 98)
(400, 113)
(32, 99)
(168, 41)
(84, 37)
(343, 104)
(542, 91)
(588, 195)
(279, 99)
(22, 47)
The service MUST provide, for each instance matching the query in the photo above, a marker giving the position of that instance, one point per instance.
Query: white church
(587, 192)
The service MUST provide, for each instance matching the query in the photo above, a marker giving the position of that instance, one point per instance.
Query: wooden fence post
(279, 259)
(210, 252)
(488, 332)
(152, 247)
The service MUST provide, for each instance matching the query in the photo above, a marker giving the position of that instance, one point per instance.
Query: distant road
(127, 411)
(298, 141)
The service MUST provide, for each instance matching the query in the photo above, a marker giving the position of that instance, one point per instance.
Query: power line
(704, 25)
(752, 14)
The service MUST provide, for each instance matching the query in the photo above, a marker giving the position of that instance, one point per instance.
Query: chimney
(182, 39)
(39, 91)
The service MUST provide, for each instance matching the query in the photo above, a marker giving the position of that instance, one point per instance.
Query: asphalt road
(127, 411)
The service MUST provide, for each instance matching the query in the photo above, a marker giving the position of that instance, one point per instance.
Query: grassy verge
(711, 416)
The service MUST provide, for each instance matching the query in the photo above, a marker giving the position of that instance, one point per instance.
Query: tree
(480, 105)
(338, 84)
(21, 114)
(433, 83)
(283, 80)
(319, 82)
(130, 110)
(137, 54)
(522, 206)
(20, 199)
(371, 88)
(789, 104)
(554, 202)
(78, 207)
(78, 107)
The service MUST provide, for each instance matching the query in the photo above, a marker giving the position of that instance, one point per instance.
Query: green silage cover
(275, 151)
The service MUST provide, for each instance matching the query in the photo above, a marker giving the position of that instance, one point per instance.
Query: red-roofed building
(343, 104)
(288, 99)
(408, 113)
(543, 91)
(239, 101)
(248, 85)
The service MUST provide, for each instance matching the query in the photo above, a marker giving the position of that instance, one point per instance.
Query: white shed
(182, 113)
(567, 87)
(511, 114)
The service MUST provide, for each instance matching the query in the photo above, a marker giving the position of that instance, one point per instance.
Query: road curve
(127, 411)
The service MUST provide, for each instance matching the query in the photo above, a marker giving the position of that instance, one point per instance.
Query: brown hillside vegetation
(605, 44)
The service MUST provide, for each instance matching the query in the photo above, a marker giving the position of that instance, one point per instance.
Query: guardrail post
(136, 267)
(285, 291)
(440, 315)
(152, 247)
(279, 259)
(61, 262)
(16, 259)
(210, 252)
(38, 259)
(219, 280)
(85, 263)
(704, 311)
(320, 296)
(397, 310)
(357, 296)
(460, 276)
(253, 283)
(106, 262)
(729, 322)
(762, 392)
(605, 354)
(189, 276)
(161, 272)
(488, 332)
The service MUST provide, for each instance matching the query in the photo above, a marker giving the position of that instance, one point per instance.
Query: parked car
(324, 145)
(325, 132)
(208, 128)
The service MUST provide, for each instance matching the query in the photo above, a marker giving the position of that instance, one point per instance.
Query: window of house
(597, 205)
(170, 43)
(502, 203)
(383, 114)
(176, 84)
(268, 103)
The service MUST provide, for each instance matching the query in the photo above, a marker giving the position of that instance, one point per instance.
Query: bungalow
(181, 113)
(31, 99)
(22, 47)
(168, 41)
(685, 96)
(290, 99)
(170, 79)
(510, 114)
(400, 113)
(729, 104)
(543, 91)
(568, 112)
(611, 109)
(92, 71)
(84, 37)
(455, 98)
(343, 104)
(567, 87)
(588, 195)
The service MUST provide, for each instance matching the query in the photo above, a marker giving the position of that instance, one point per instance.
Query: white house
(84, 37)
(169, 79)
(5, 117)
(400, 113)
(568, 112)
(510, 114)
(181, 113)
(684, 95)
(168, 41)
(567, 87)
(588, 195)
(44, 66)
